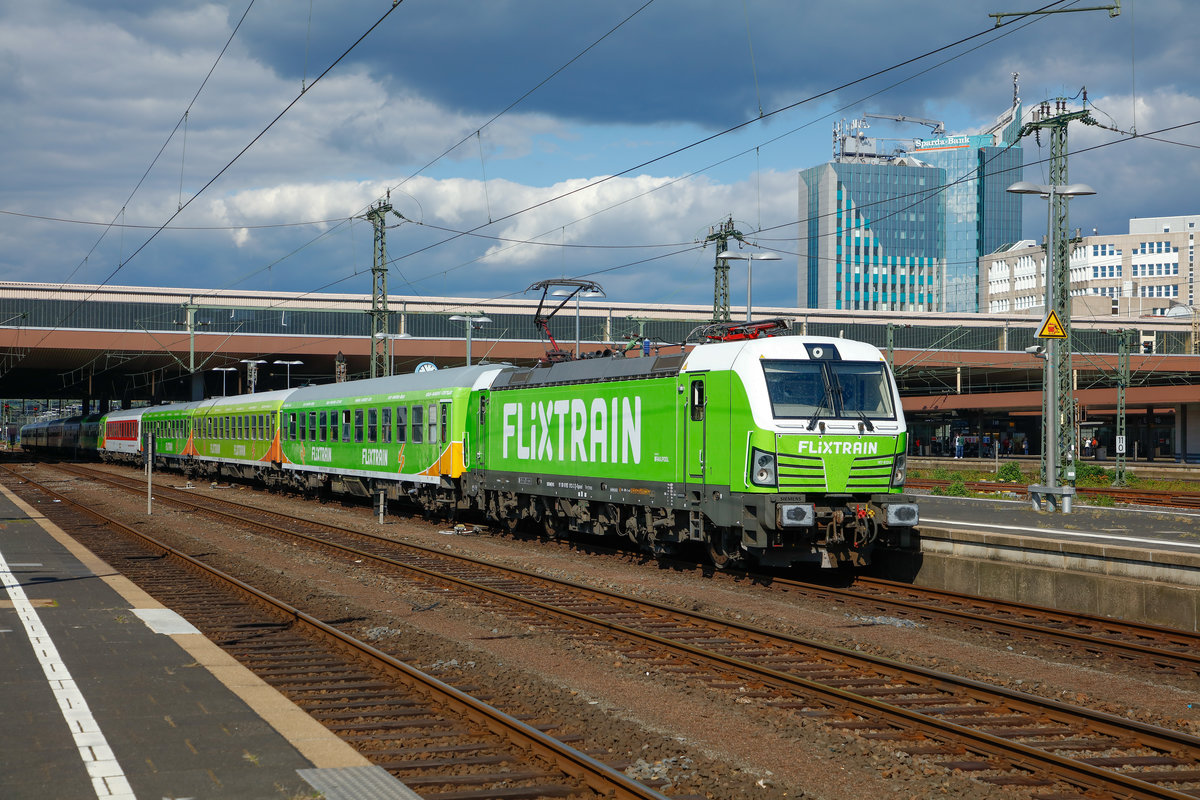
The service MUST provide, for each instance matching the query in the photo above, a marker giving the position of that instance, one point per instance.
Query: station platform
(105, 693)
(1125, 562)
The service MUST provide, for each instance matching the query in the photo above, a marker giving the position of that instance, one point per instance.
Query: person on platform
(958, 445)
(1025, 446)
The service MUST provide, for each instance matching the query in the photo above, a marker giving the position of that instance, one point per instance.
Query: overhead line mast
(721, 234)
(381, 364)
(1058, 397)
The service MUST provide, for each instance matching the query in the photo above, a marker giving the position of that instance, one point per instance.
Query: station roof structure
(139, 344)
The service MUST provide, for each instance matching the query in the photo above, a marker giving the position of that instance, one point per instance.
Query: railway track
(441, 741)
(1140, 497)
(1000, 736)
(1150, 647)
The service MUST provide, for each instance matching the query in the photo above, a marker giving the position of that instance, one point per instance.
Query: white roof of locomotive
(724, 355)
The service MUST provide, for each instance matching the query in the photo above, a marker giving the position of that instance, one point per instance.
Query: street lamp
(252, 371)
(749, 258)
(597, 292)
(224, 370)
(289, 365)
(1056, 370)
(472, 322)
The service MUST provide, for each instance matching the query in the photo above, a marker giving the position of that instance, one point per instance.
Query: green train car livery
(776, 450)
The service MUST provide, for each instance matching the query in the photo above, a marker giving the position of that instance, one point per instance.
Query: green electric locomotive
(778, 450)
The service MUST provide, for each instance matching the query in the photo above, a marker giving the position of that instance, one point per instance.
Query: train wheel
(724, 548)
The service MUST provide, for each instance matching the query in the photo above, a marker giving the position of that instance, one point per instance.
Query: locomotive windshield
(828, 389)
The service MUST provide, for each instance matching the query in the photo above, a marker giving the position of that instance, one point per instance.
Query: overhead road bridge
(91, 345)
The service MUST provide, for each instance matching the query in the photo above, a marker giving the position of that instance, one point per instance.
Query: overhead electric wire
(724, 132)
(70, 311)
(158, 155)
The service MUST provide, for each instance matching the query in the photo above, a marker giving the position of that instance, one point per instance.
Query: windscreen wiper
(812, 423)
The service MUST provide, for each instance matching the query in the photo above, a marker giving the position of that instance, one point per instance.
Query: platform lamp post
(391, 340)
(289, 365)
(252, 371)
(749, 258)
(597, 292)
(224, 372)
(1058, 406)
(472, 323)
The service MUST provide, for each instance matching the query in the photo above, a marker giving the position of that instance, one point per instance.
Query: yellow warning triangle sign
(1052, 327)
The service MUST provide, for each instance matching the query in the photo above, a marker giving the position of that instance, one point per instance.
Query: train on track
(762, 448)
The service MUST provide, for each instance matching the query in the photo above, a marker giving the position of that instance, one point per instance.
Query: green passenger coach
(402, 436)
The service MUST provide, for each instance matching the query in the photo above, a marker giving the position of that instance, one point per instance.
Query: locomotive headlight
(900, 470)
(762, 467)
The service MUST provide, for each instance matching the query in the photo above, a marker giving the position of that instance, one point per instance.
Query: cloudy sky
(528, 140)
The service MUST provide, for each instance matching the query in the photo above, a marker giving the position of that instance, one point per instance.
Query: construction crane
(939, 129)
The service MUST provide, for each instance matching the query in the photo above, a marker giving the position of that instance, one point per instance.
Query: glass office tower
(905, 230)
(872, 236)
(980, 214)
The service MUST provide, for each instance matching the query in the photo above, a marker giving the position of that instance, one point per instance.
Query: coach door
(451, 451)
(695, 425)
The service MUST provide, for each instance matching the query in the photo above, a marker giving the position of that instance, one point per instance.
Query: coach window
(372, 424)
(401, 424)
(253, 427)
(433, 424)
(418, 423)
(312, 426)
(358, 425)
(385, 425)
(323, 426)
(445, 420)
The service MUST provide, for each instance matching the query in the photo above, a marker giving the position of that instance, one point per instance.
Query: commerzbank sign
(951, 143)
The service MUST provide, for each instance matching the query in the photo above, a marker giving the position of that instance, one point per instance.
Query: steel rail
(595, 774)
(1021, 755)
(1033, 630)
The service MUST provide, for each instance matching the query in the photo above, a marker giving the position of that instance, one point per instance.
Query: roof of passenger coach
(173, 408)
(724, 355)
(256, 401)
(128, 413)
(474, 377)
